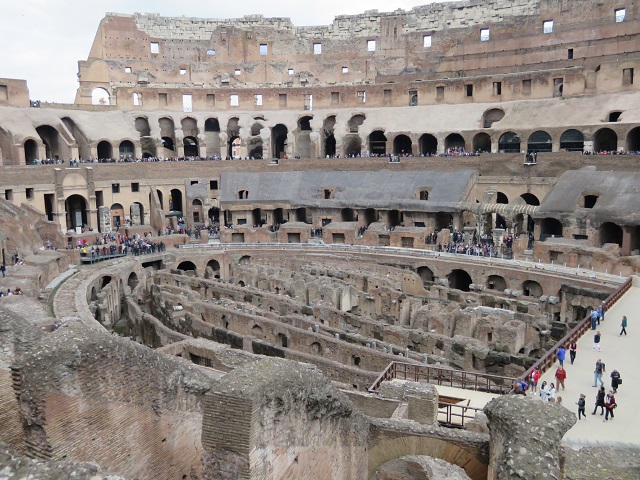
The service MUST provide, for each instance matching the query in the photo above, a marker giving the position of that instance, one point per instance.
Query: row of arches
(460, 279)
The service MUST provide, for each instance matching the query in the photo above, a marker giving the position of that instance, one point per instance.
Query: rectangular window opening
(29, 193)
(526, 86)
(362, 97)
(183, 71)
(387, 96)
(627, 76)
(237, 71)
(4, 93)
(620, 13)
(468, 90)
(282, 100)
(308, 101)
(264, 49)
(234, 100)
(115, 188)
(213, 185)
(187, 103)
(371, 45)
(484, 34)
(127, 69)
(345, 69)
(570, 54)
(426, 41)
(137, 99)
(439, 93)
(258, 100)
(162, 99)
(135, 187)
(8, 194)
(497, 88)
(154, 47)
(335, 98)
(413, 98)
(317, 48)
(211, 100)
(547, 26)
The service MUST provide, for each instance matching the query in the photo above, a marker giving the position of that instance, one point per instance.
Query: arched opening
(550, 227)
(531, 288)
(605, 140)
(328, 127)
(255, 148)
(51, 140)
(501, 198)
(168, 144)
(233, 147)
(99, 96)
(167, 134)
(256, 217)
(426, 274)
(256, 331)
(189, 127)
(572, 141)
(530, 199)
(196, 211)
(30, 151)
(160, 198)
(105, 150)
(459, 280)
(304, 123)
(355, 360)
(370, 216)
(211, 125)
(402, 145)
(348, 215)
(378, 143)
(482, 143)
(633, 140)
(539, 141)
(303, 137)
(279, 140)
(316, 348)
(215, 267)
(352, 146)
(244, 260)
(126, 149)
(190, 147)
(187, 266)
(175, 200)
(443, 220)
(278, 216)
(454, 142)
(428, 144)
(301, 215)
(610, 233)
(147, 143)
(76, 207)
(492, 116)
(132, 281)
(394, 218)
(214, 215)
(136, 212)
(117, 215)
(496, 282)
(509, 142)
(283, 340)
(355, 122)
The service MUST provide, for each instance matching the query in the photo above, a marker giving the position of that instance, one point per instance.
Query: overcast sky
(42, 40)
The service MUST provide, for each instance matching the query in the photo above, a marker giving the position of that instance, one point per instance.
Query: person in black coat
(599, 401)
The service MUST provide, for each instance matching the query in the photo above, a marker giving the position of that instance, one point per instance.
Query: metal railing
(445, 377)
(455, 415)
(549, 358)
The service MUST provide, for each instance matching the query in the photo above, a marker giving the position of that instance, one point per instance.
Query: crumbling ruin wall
(287, 422)
(137, 412)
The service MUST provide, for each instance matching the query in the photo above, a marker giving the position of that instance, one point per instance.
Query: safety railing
(549, 358)
(455, 415)
(445, 377)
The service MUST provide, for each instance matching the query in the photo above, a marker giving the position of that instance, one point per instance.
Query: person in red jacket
(561, 375)
(609, 405)
(533, 380)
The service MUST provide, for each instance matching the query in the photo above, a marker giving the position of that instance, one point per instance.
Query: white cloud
(44, 39)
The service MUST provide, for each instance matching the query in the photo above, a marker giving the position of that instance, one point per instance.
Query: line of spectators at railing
(612, 152)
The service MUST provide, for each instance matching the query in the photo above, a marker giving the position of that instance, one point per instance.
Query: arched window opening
(459, 280)
(572, 141)
(539, 141)
(509, 142)
(428, 144)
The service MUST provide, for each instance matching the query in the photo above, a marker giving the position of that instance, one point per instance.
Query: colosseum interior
(261, 251)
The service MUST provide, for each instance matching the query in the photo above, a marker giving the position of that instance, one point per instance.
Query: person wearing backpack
(616, 380)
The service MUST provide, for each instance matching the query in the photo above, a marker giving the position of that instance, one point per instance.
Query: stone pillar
(513, 455)
(104, 215)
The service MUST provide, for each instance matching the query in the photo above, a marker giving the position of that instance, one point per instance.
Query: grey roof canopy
(618, 196)
(354, 189)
